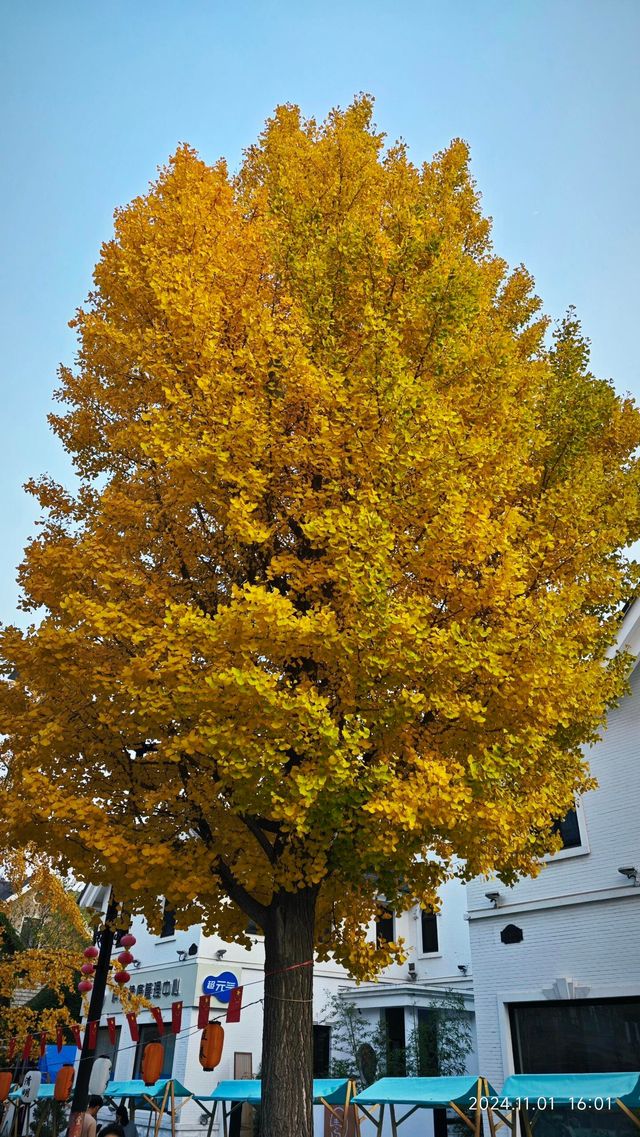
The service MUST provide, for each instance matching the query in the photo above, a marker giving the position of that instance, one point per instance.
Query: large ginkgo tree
(326, 617)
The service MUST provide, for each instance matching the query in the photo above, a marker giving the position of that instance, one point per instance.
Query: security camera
(463, 967)
(493, 897)
(219, 953)
(630, 872)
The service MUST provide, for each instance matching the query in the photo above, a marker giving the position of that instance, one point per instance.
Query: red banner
(133, 1026)
(157, 1014)
(111, 1027)
(59, 1038)
(11, 1049)
(92, 1028)
(204, 1009)
(75, 1030)
(235, 1005)
(28, 1043)
(176, 1017)
(43, 1042)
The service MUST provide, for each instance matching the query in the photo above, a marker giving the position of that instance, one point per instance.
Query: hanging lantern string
(221, 1017)
(186, 1033)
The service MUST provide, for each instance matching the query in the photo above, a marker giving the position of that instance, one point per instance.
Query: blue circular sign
(220, 986)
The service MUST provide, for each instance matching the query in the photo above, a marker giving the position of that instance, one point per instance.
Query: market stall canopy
(45, 1091)
(137, 1089)
(568, 1089)
(331, 1090)
(432, 1093)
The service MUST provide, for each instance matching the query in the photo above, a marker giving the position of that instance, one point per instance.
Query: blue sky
(96, 96)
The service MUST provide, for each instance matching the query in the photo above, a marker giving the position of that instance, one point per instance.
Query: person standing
(89, 1127)
(122, 1117)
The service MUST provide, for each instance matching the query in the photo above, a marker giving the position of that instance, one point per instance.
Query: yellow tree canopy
(331, 602)
(38, 984)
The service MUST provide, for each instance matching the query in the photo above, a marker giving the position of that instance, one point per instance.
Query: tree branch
(256, 831)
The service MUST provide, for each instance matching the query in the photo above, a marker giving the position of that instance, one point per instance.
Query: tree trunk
(287, 1039)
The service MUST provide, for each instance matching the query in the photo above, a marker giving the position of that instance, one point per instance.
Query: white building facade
(556, 959)
(183, 965)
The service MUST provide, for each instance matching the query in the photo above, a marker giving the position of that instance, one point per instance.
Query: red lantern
(87, 969)
(5, 1084)
(64, 1082)
(125, 957)
(211, 1046)
(128, 940)
(84, 986)
(91, 952)
(152, 1062)
(122, 977)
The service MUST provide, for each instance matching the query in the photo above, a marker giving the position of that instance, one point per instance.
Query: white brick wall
(580, 917)
(595, 945)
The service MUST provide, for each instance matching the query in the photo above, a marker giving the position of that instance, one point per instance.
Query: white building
(182, 965)
(439, 960)
(556, 959)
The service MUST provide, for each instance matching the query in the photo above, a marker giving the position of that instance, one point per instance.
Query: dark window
(393, 1018)
(576, 1036)
(105, 1048)
(321, 1051)
(168, 922)
(569, 830)
(429, 922)
(149, 1033)
(384, 927)
(427, 1042)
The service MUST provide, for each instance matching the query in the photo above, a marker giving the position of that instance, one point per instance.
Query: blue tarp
(568, 1089)
(53, 1059)
(432, 1093)
(331, 1090)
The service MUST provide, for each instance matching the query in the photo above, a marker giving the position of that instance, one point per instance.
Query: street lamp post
(80, 1097)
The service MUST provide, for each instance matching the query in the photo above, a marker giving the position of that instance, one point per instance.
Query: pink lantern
(128, 940)
(125, 957)
(122, 977)
(91, 952)
(87, 969)
(85, 986)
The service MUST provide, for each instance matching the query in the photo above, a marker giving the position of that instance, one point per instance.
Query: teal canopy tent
(568, 1089)
(330, 1092)
(135, 1088)
(466, 1096)
(525, 1093)
(325, 1090)
(160, 1097)
(45, 1090)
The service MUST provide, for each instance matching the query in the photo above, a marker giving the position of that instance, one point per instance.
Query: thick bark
(287, 1039)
